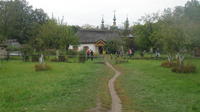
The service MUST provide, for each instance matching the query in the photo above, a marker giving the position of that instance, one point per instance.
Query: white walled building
(94, 39)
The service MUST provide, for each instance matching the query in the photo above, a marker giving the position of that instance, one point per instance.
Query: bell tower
(102, 24)
(126, 24)
(114, 20)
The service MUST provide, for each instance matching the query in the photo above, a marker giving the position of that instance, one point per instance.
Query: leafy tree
(129, 43)
(182, 21)
(19, 20)
(192, 9)
(2, 38)
(55, 36)
(174, 41)
(114, 46)
(145, 32)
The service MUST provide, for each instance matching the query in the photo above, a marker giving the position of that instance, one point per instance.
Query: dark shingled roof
(92, 36)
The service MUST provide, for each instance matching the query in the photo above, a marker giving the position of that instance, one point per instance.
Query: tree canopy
(19, 20)
(173, 28)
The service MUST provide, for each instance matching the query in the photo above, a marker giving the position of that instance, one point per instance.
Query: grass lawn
(151, 88)
(68, 87)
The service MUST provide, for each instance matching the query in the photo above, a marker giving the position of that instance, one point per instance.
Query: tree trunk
(57, 54)
(181, 60)
(170, 58)
(67, 47)
(41, 59)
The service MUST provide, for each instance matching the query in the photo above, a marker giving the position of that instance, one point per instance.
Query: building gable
(100, 43)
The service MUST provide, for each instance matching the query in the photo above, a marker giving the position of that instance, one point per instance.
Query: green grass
(68, 87)
(151, 88)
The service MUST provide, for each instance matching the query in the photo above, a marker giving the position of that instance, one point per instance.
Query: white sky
(80, 12)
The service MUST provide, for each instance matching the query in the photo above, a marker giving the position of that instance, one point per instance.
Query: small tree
(174, 42)
(55, 36)
(114, 46)
(27, 51)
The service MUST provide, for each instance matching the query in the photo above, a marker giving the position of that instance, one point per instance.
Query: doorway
(100, 49)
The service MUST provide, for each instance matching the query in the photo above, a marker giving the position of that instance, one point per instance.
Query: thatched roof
(92, 36)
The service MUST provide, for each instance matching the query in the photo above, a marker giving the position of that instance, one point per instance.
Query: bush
(72, 52)
(168, 64)
(184, 69)
(26, 51)
(26, 58)
(42, 67)
(54, 60)
(35, 58)
(82, 57)
(60, 59)
(50, 52)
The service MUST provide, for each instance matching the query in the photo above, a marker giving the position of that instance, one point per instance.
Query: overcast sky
(80, 12)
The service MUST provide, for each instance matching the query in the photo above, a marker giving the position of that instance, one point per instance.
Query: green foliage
(26, 51)
(55, 36)
(142, 41)
(173, 31)
(145, 33)
(2, 38)
(60, 59)
(72, 52)
(113, 46)
(192, 9)
(168, 64)
(35, 58)
(173, 39)
(129, 43)
(19, 20)
(179, 68)
(82, 56)
(42, 67)
(184, 69)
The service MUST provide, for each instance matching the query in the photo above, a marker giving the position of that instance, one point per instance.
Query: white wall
(81, 46)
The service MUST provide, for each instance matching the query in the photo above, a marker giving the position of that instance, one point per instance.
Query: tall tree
(55, 36)
(19, 20)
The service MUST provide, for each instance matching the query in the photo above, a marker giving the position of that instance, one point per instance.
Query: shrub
(82, 57)
(42, 67)
(26, 51)
(60, 59)
(35, 58)
(54, 60)
(168, 64)
(50, 52)
(72, 52)
(26, 58)
(184, 69)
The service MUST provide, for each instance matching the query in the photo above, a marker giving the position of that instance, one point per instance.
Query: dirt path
(116, 102)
